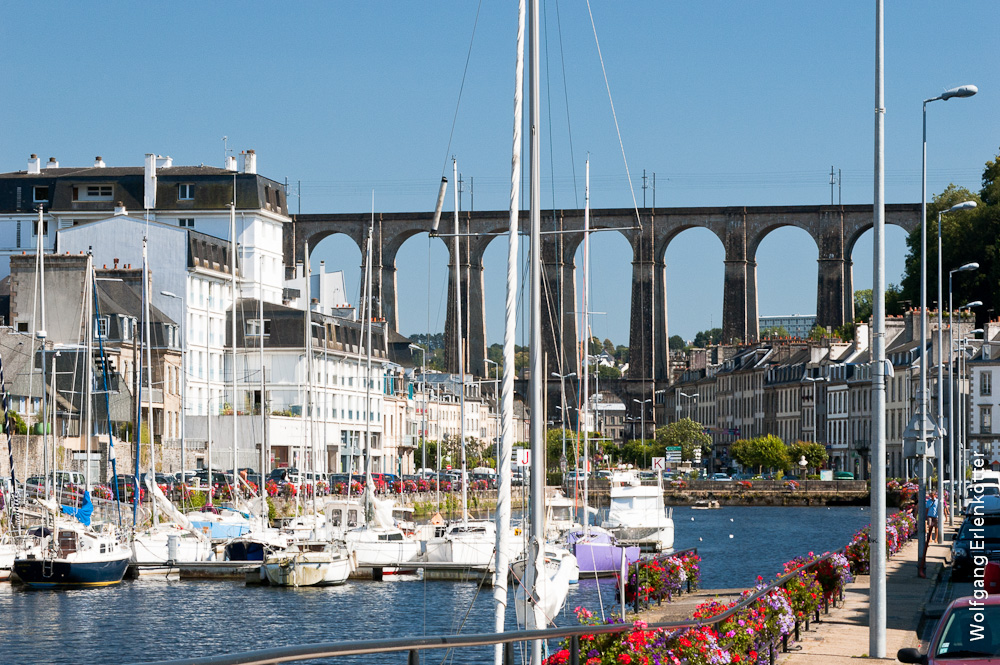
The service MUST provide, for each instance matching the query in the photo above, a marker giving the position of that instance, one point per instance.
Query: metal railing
(413, 646)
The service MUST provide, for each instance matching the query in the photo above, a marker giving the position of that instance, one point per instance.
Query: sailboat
(162, 543)
(597, 551)
(309, 561)
(66, 550)
(378, 545)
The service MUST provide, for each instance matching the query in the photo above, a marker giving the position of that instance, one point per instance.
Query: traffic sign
(522, 456)
(659, 463)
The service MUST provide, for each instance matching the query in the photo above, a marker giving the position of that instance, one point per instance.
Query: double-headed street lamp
(423, 387)
(562, 393)
(691, 397)
(925, 425)
(965, 205)
(955, 451)
(642, 411)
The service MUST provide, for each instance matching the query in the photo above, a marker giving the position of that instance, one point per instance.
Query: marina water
(146, 620)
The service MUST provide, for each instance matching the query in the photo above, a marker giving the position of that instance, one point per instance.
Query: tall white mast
(263, 401)
(461, 350)
(536, 552)
(236, 297)
(586, 352)
(307, 333)
(88, 387)
(510, 324)
(149, 373)
(368, 367)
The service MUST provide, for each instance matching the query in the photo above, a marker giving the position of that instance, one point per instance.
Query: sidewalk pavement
(842, 636)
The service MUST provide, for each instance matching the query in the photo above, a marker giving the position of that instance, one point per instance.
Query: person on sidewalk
(933, 506)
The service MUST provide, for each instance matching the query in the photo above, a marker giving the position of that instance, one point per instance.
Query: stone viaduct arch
(835, 230)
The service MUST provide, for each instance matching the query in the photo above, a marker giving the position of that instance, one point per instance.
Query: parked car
(961, 547)
(965, 633)
(721, 477)
(491, 479)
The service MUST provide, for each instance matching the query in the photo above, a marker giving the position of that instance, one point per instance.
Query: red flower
(624, 658)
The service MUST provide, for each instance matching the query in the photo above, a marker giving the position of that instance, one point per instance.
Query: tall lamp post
(423, 391)
(565, 413)
(690, 399)
(963, 448)
(965, 205)
(955, 483)
(170, 294)
(642, 417)
(926, 426)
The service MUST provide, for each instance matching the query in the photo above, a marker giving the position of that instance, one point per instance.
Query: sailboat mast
(586, 352)
(536, 550)
(461, 350)
(368, 366)
(510, 321)
(149, 372)
(263, 411)
(236, 297)
(88, 385)
(307, 340)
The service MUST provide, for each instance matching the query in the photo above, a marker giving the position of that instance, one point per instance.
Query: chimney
(164, 162)
(99, 163)
(120, 208)
(249, 161)
(149, 182)
(34, 165)
(230, 162)
(52, 164)
(116, 264)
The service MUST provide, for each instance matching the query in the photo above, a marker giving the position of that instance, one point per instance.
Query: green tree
(609, 346)
(638, 452)
(863, 305)
(815, 454)
(605, 372)
(761, 452)
(431, 447)
(687, 434)
(18, 423)
(677, 343)
(774, 331)
(817, 333)
(708, 337)
(621, 354)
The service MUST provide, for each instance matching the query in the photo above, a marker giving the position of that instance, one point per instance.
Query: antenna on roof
(225, 150)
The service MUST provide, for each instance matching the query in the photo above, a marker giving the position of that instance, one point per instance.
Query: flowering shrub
(903, 491)
(322, 488)
(271, 487)
(678, 484)
(792, 484)
(426, 486)
(479, 485)
(658, 579)
(409, 486)
(900, 527)
(102, 492)
(289, 490)
(745, 484)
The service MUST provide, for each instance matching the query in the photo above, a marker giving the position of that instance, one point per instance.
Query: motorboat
(597, 552)
(638, 514)
(706, 504)
(70, 554)
(168, 543)
(379, 544)
(559, 516)
(556, 558)
(309, 563)
(466, 543)
(256, 545)
(561, 570)
(219, 522)
(8, 551)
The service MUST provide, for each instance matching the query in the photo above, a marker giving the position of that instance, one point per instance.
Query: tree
(609, 346)
(677, 343)
(638, 452)
(605, 372)
(432, 447)
(762, 452)
(621, 354)
(817, 333)
(708, 337)
(815, 454)
(863, 305)
(775, 331)
(687, 434)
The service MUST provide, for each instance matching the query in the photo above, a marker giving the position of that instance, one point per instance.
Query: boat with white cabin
(638, 514)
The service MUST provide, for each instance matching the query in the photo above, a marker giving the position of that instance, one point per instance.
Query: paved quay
(914, 604)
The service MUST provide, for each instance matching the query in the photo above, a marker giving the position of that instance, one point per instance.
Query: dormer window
(185, 192)
(93, 193)
(41, 193)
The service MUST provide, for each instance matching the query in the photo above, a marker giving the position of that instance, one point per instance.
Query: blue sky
(727, 102)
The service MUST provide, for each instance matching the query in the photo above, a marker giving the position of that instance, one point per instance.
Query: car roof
(965, 601)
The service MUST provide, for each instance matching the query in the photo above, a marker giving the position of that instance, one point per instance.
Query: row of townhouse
(822, 392)
(213, 242)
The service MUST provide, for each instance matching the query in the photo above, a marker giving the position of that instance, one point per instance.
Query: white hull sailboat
(309, 563)
(638, 514)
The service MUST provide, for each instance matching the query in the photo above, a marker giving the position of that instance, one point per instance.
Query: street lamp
(955, 452)
(423, 390)
(642, 412)
(690, 397)
(925, 420)
(170, 294)
(562, 393)
(963, 449)
(965, 205)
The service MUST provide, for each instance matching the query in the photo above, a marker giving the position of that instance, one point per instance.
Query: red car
(968, 632)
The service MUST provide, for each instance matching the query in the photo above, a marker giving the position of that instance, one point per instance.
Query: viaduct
(835, 229)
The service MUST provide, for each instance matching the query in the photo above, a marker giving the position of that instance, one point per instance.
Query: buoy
(730, 535)
(700, 539)
(692, 519)
(730, 519)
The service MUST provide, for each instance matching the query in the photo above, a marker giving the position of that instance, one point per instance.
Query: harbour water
(146, 620)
